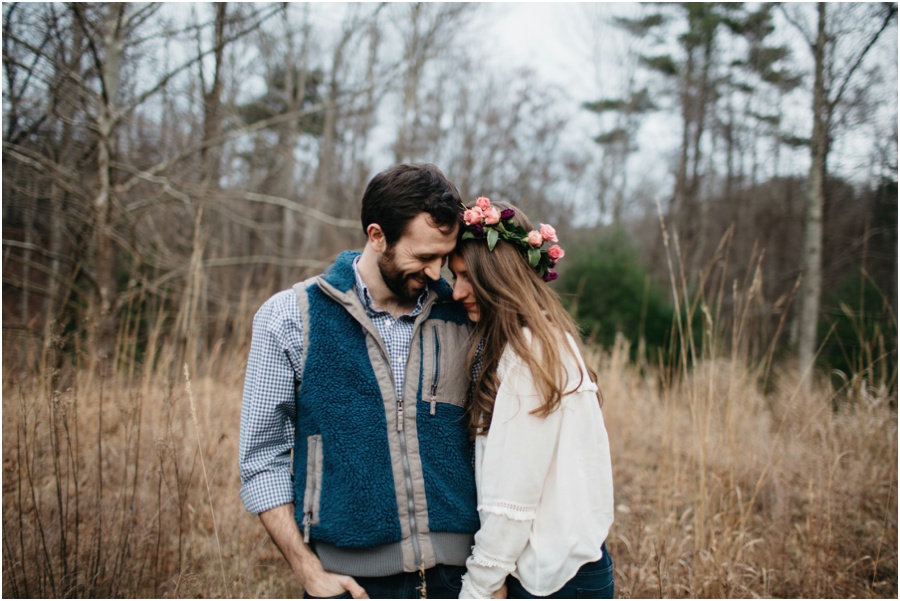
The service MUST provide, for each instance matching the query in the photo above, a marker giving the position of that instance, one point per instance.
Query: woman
(542, 462)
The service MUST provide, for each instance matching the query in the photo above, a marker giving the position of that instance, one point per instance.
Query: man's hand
(320, 583)
(281, 526)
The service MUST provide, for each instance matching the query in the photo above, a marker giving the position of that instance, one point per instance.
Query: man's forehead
(423, 229)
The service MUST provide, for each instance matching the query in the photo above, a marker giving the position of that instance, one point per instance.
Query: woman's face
(462, 287)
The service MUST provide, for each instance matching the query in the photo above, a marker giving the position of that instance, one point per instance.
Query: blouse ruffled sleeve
(517, 455)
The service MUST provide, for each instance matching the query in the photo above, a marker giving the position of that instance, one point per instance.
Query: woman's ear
(375, 236)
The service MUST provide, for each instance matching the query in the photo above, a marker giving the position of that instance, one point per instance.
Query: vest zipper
(410, 505)
(437, 371)
(407, 472)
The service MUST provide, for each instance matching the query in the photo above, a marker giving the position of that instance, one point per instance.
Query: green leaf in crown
(492, 237)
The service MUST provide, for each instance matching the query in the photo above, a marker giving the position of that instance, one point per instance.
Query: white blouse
(545, 491)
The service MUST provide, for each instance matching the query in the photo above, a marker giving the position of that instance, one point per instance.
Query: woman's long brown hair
(511, 296)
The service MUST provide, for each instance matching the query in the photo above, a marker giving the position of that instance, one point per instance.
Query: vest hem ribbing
(450, 548)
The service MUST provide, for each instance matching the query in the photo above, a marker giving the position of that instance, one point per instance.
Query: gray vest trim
(449, 549)
(303, 303)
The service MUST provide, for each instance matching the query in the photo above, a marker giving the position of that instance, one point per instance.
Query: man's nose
(433, 269)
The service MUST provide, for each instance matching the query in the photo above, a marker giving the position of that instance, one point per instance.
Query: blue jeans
(442, 582)
(593, 581)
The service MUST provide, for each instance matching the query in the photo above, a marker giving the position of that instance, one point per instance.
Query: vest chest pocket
(313, 491)
(445, 379)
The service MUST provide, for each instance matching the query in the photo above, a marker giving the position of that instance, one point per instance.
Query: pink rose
(548, 233)
(483, 202)
(556, 253)
(535, 238)
(473, 216)
(491, 216)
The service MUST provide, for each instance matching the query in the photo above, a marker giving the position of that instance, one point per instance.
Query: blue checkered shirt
(269, 408)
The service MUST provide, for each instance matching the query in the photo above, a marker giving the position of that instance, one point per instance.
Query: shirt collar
(362, 292)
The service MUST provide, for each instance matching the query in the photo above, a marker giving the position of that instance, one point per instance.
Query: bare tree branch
(262, 124)
(39, 53)
(351, 224)
(138, 18)
(192, 61)
(891, 13)
(266, 260)
(40, 250)
(165, 182)
(64, 178)
(803, 33)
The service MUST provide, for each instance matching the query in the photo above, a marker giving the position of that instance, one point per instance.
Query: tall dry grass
(736, 474)
(127, 486)
(731, 479)
(723, 490)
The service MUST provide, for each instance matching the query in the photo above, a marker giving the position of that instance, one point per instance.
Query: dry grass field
(732, 480)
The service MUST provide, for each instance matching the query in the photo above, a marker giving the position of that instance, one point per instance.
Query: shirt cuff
(266, 491)
(485, 575)
(470, 591)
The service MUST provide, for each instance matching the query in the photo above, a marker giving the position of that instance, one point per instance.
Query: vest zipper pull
(433, 402)
(399, 415)
(307, 518)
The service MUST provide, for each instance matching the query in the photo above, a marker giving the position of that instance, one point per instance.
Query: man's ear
(375, 236)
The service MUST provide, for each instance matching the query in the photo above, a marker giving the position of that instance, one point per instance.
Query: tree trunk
(414, 58)
(192, 315)
(104, 305)
(320, 196)
(811, 287)
(296, 69)
(56, 294)
(25, 312)
(696, 244)
(681, 201)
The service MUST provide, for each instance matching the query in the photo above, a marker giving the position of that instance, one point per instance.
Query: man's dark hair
(397, 195)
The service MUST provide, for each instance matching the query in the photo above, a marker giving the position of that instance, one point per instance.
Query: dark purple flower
(552, 263)
(551, 275)
(507, 214)
(478, 230)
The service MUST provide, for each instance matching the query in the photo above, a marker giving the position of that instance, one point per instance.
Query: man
(361, 373)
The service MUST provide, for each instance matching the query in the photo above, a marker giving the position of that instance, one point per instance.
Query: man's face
(417, 256)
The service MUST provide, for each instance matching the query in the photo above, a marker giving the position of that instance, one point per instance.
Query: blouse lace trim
(513, 511)
(489, 561)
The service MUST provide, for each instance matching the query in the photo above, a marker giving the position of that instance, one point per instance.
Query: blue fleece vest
(341, 450)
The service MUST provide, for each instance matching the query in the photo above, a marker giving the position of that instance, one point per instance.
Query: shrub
(608, 290)
(863, 333)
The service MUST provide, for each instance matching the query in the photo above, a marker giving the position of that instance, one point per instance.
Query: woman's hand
(499, 593)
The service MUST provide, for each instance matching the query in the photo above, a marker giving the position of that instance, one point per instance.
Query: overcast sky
(574, 48)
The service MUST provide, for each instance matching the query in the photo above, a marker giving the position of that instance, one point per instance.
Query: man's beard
(404, 286)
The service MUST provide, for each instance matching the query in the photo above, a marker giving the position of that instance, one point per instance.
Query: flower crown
(484, 221)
